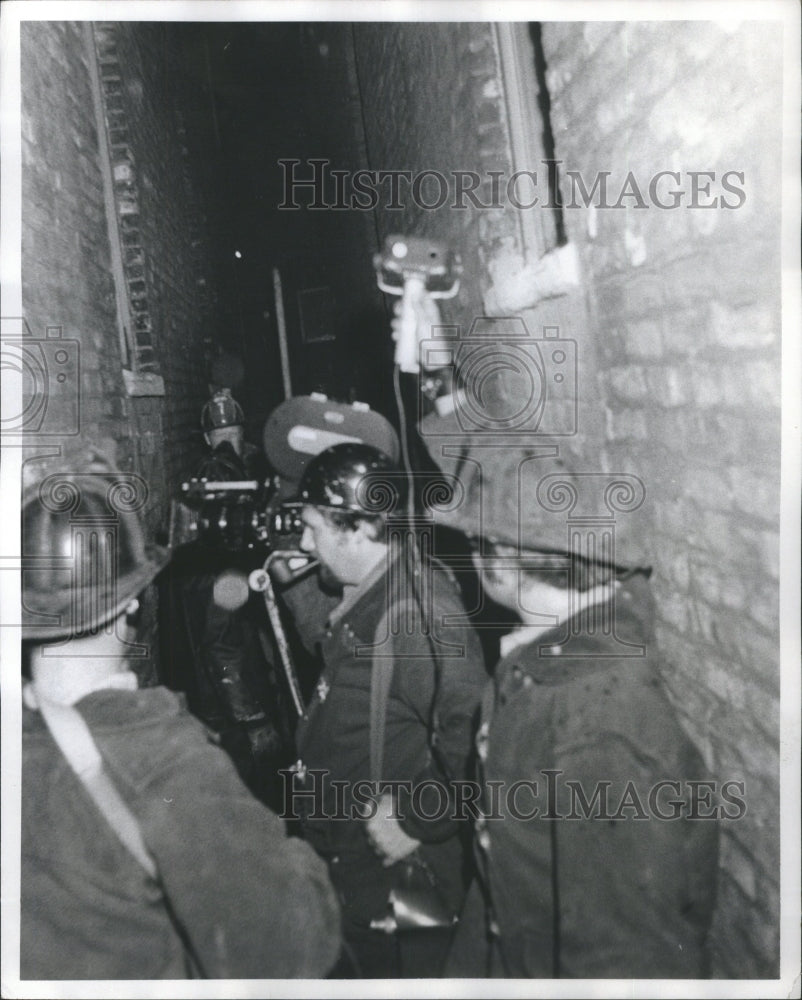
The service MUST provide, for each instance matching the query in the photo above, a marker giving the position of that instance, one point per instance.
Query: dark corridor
(266, 94)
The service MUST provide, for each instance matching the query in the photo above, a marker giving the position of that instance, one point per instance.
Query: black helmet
(352, 477)
(222, 410)
(84, 553)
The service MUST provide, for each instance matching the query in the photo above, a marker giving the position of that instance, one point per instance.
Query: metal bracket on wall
(143, 383)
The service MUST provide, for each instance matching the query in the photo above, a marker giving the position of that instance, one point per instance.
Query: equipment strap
(73, 738)
(380, 680)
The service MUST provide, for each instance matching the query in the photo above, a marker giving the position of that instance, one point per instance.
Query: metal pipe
(281, 324)
(259, 580)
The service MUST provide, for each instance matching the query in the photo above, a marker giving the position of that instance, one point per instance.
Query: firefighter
(605, 866)
(222, 645)
(395, 702)
(596, 857)
(143, 854)
(223, 425)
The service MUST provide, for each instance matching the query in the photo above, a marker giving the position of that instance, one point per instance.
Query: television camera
(240, 516)
(253, 521)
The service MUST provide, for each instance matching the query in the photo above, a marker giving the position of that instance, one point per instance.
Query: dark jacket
(217, 654)
(306, 606)
(335, 737)
(223, 463)
(624, 893)
(253, 902)
(226, 675)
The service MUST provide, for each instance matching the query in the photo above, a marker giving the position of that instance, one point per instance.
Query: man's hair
(348, 520)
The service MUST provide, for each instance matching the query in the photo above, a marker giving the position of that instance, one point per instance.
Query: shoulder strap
(380, 681)
(73, 738)
(381, 676)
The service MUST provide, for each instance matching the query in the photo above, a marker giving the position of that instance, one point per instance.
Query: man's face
(502, 571)
(234, 434)
(334, 547)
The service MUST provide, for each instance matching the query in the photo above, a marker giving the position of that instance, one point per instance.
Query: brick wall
(65, 250)
(162, 222)
(433, 98)
(67, 263)
(414, 122)
(685, 309)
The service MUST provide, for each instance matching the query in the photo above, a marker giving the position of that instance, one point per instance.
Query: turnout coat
(334, 740)
(607, 868)
(251, 902)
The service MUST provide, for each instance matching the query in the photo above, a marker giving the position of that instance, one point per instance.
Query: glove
(263, 740)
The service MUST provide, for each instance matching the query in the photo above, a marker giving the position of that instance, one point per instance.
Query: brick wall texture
(67, 279)
(413, 122)
(67, 274)
(685, 309)
(676, 321)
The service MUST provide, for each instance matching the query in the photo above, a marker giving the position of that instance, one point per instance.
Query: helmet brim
(106, 606)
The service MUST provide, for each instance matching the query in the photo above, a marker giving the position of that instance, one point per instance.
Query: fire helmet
(353, 477)
(537, 501)
(84, 552)
(222, 410)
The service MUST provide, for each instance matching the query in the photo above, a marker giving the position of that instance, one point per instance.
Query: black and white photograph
(400, 499)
